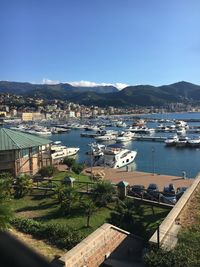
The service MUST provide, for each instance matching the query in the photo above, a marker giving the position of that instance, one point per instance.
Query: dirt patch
(39, 246)
(29, 214)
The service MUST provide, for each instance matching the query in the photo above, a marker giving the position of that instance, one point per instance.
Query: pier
(149, 138)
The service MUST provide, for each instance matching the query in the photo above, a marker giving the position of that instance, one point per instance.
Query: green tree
(67, 196)
(23, 185)
(102, 193)
(89, 208)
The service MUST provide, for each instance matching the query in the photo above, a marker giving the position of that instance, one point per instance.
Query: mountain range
(141, 95)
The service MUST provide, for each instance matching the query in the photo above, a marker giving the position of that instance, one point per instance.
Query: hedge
(61, 236)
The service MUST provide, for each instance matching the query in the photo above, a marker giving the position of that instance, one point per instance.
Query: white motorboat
(181, 131)
(194, 141)
(181, 124)
(106, 137)
(125, 137)
(59, 151)
(92, 128)
(182, 141)
(141, 130)
(118, 157)
(113, 157)
(171, 140)
(121, 124)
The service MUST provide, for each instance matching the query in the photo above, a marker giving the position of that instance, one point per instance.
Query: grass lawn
(44, 207)
(78, 177)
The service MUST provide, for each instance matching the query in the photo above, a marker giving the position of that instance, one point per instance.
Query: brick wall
(94, 249)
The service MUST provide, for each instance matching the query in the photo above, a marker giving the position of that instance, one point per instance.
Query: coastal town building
(32, 116)
(22, 153)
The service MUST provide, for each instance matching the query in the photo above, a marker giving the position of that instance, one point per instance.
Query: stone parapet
(173, 216)
(95, 248)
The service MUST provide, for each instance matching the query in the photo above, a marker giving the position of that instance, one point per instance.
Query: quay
(149, 138)
(89, 135)
(141, 178)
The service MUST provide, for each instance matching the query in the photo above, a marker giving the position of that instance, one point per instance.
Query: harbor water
(152, 157)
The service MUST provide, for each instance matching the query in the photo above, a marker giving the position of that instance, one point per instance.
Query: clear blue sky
(129, 41)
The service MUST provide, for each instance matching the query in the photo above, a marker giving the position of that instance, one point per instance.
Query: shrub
(69, 161)
(59, 235)
(47, 171)
(77, 168)
(6, 184)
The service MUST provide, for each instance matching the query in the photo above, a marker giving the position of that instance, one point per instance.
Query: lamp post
(153, 159)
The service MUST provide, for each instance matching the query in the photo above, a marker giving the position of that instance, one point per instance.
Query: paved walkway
(144, 178)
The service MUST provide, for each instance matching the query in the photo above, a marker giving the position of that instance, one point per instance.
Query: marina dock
(142, 178)
(149, 138)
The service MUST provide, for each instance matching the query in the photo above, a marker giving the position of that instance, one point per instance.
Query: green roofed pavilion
(22, 153)
(14, 140)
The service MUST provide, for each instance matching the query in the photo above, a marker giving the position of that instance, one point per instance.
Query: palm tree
(102, 193)
(66, 196)
(128, 215)
(23, 185)
(89, 208)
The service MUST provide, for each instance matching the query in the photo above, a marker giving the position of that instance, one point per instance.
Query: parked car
(169, 195)
(136, 190)
(152, 192)
(180, 191)
(168, 199)
(169, 190)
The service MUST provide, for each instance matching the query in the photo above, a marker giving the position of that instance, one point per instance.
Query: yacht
(108, 135)
(92, 128)
(141, 130)
(171, 140)
(113, 157)
(182, 141)
(121, 124)
(59, 151)
(194, 141)
(139, 123)
(125, 137)
(181, 131)
(181, 124)
(118, 157)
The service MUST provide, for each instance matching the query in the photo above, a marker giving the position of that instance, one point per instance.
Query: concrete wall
(94, 249)
(173, 217)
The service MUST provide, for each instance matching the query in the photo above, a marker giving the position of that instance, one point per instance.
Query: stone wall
(94, 249)
(167, 227)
